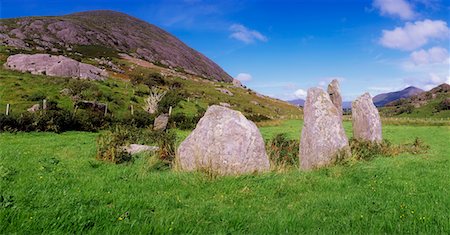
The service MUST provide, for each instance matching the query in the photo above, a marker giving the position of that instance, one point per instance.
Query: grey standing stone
(335, 95)
(161, 121)
(323, 137)
(225, 142)
(366, 120)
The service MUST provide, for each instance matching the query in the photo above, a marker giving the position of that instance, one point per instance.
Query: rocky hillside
(106, 33)
(433, 103)
(385, 98)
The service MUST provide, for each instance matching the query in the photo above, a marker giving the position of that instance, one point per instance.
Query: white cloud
(244, 77)
(246, 35)
(433, 55)
(398, 8)
(414, 35)
(429, 81)
(300, 93)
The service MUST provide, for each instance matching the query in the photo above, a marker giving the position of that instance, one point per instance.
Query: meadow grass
(51, 183)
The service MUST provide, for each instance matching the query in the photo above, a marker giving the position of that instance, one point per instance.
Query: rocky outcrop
(335, 95)
(109, 31)
(161, 121)
(52, 65)
(366, 120)
(225, 91)
(323, 137)
(225, 142)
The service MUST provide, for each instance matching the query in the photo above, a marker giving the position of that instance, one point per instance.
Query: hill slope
(433, 103)
(384, 98)
(106, 33)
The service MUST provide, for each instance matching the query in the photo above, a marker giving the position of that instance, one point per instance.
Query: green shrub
(282, 151)
(37, 96)
(172, 98)
(110, 145)
(257, 117)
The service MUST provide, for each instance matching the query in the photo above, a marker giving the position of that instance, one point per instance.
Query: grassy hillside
(49, 186)
(428, 104)
(22, 90)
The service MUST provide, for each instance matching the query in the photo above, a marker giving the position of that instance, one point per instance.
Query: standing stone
(335, 95)
(323, 137)
(366, 120)
(225, 142)
(161, 121)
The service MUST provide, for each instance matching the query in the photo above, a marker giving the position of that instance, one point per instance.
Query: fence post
(170, 110)
(132, 110)
(7, 109)
(106, 109)
(44, 104)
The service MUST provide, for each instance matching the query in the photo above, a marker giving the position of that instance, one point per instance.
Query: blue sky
(281, 48)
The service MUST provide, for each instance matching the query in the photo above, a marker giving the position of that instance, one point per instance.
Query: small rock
(225, 104)
(225, 91)
(139, 148)
(34, 108)
(161, 121)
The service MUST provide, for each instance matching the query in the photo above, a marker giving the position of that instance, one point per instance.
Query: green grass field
(51, 183)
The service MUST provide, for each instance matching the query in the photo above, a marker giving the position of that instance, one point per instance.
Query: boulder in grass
(224, 142)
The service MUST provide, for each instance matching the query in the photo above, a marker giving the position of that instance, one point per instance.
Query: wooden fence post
(132, 110)
(7, 109)
(106, 109)
(170, 110)
(44, 104)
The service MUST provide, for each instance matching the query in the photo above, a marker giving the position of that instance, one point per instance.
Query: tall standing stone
(225, 142)
(366, 120)
(323, 137)
(335, 95)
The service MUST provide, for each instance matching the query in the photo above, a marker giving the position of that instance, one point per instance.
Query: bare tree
(151, 103)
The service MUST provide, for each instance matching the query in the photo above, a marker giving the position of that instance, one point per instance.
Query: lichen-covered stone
(225, 142)
(323, 137)
(366, 120)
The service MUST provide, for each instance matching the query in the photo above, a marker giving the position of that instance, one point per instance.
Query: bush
(282, 151)
(257, 117)
(37, 96)
(172, 98)
(151, 80)
(110, 144)
(364, 150)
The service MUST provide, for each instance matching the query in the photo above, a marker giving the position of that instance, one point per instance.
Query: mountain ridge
(382, 99)
(114, 30)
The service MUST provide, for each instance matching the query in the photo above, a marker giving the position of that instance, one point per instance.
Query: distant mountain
(105, 33)
(301, 103)
(432, 103)
(297, 102)
(382, 99)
